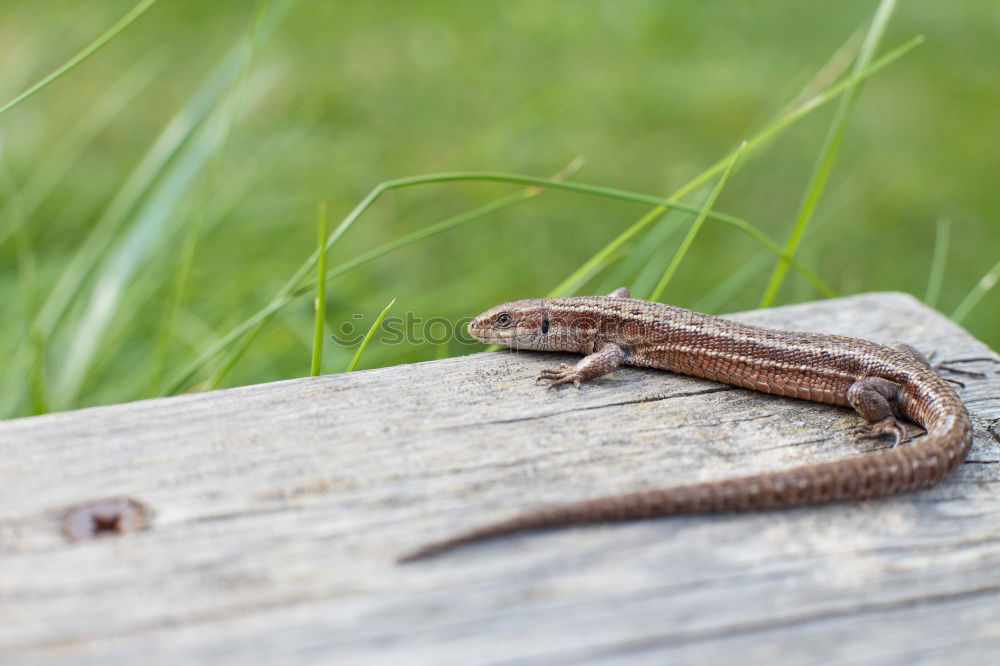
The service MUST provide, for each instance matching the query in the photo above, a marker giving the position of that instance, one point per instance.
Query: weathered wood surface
(279, 509)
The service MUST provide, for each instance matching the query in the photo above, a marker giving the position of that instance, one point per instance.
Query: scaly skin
(884, 384)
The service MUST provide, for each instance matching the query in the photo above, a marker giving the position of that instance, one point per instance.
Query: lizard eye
(504, 320)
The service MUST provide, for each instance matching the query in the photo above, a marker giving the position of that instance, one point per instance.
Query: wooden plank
(278, 509)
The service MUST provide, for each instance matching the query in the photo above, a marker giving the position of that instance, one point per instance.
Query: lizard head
(534, 324)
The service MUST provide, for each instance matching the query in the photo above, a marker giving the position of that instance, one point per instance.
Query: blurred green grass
(337, 97)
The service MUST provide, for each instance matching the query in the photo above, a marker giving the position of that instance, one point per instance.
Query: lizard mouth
(490, 335)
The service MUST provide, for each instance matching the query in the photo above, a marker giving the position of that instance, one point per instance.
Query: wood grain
(277, 511)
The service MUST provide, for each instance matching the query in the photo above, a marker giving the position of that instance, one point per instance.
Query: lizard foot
(564, 374)
(887, 426)
(941, 367)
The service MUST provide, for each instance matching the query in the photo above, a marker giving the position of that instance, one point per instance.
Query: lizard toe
(888, 426)
(565, 378)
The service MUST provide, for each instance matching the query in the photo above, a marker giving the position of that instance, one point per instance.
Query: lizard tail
(598, 510)
(886, 472)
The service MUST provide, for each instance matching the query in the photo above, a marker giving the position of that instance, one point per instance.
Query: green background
(343, 95)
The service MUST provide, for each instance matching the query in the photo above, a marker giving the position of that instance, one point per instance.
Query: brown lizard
(884, 384)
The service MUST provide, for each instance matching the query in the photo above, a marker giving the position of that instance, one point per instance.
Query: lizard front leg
(601, 362)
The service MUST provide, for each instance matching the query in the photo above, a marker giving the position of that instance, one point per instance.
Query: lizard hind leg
(939, 366)
(876, 400)
(913, 352)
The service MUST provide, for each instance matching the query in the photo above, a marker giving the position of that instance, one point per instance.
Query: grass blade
(593, 190)
(836, 66)
(232, 103)
(23, 204)
(725, 290)
(87, 51)
(65, 155)
(641, 277)
(830, 149)
(592, 265)
(150, 224)
(317, 352)
(27, 272)
(972, 299)
(368, 337)
(604, 255)
(154, 222)
(693, 231)
(288, 293)
(181, 127)
(251, 326)
(153, 164)
(639, 267)
(938, 261)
